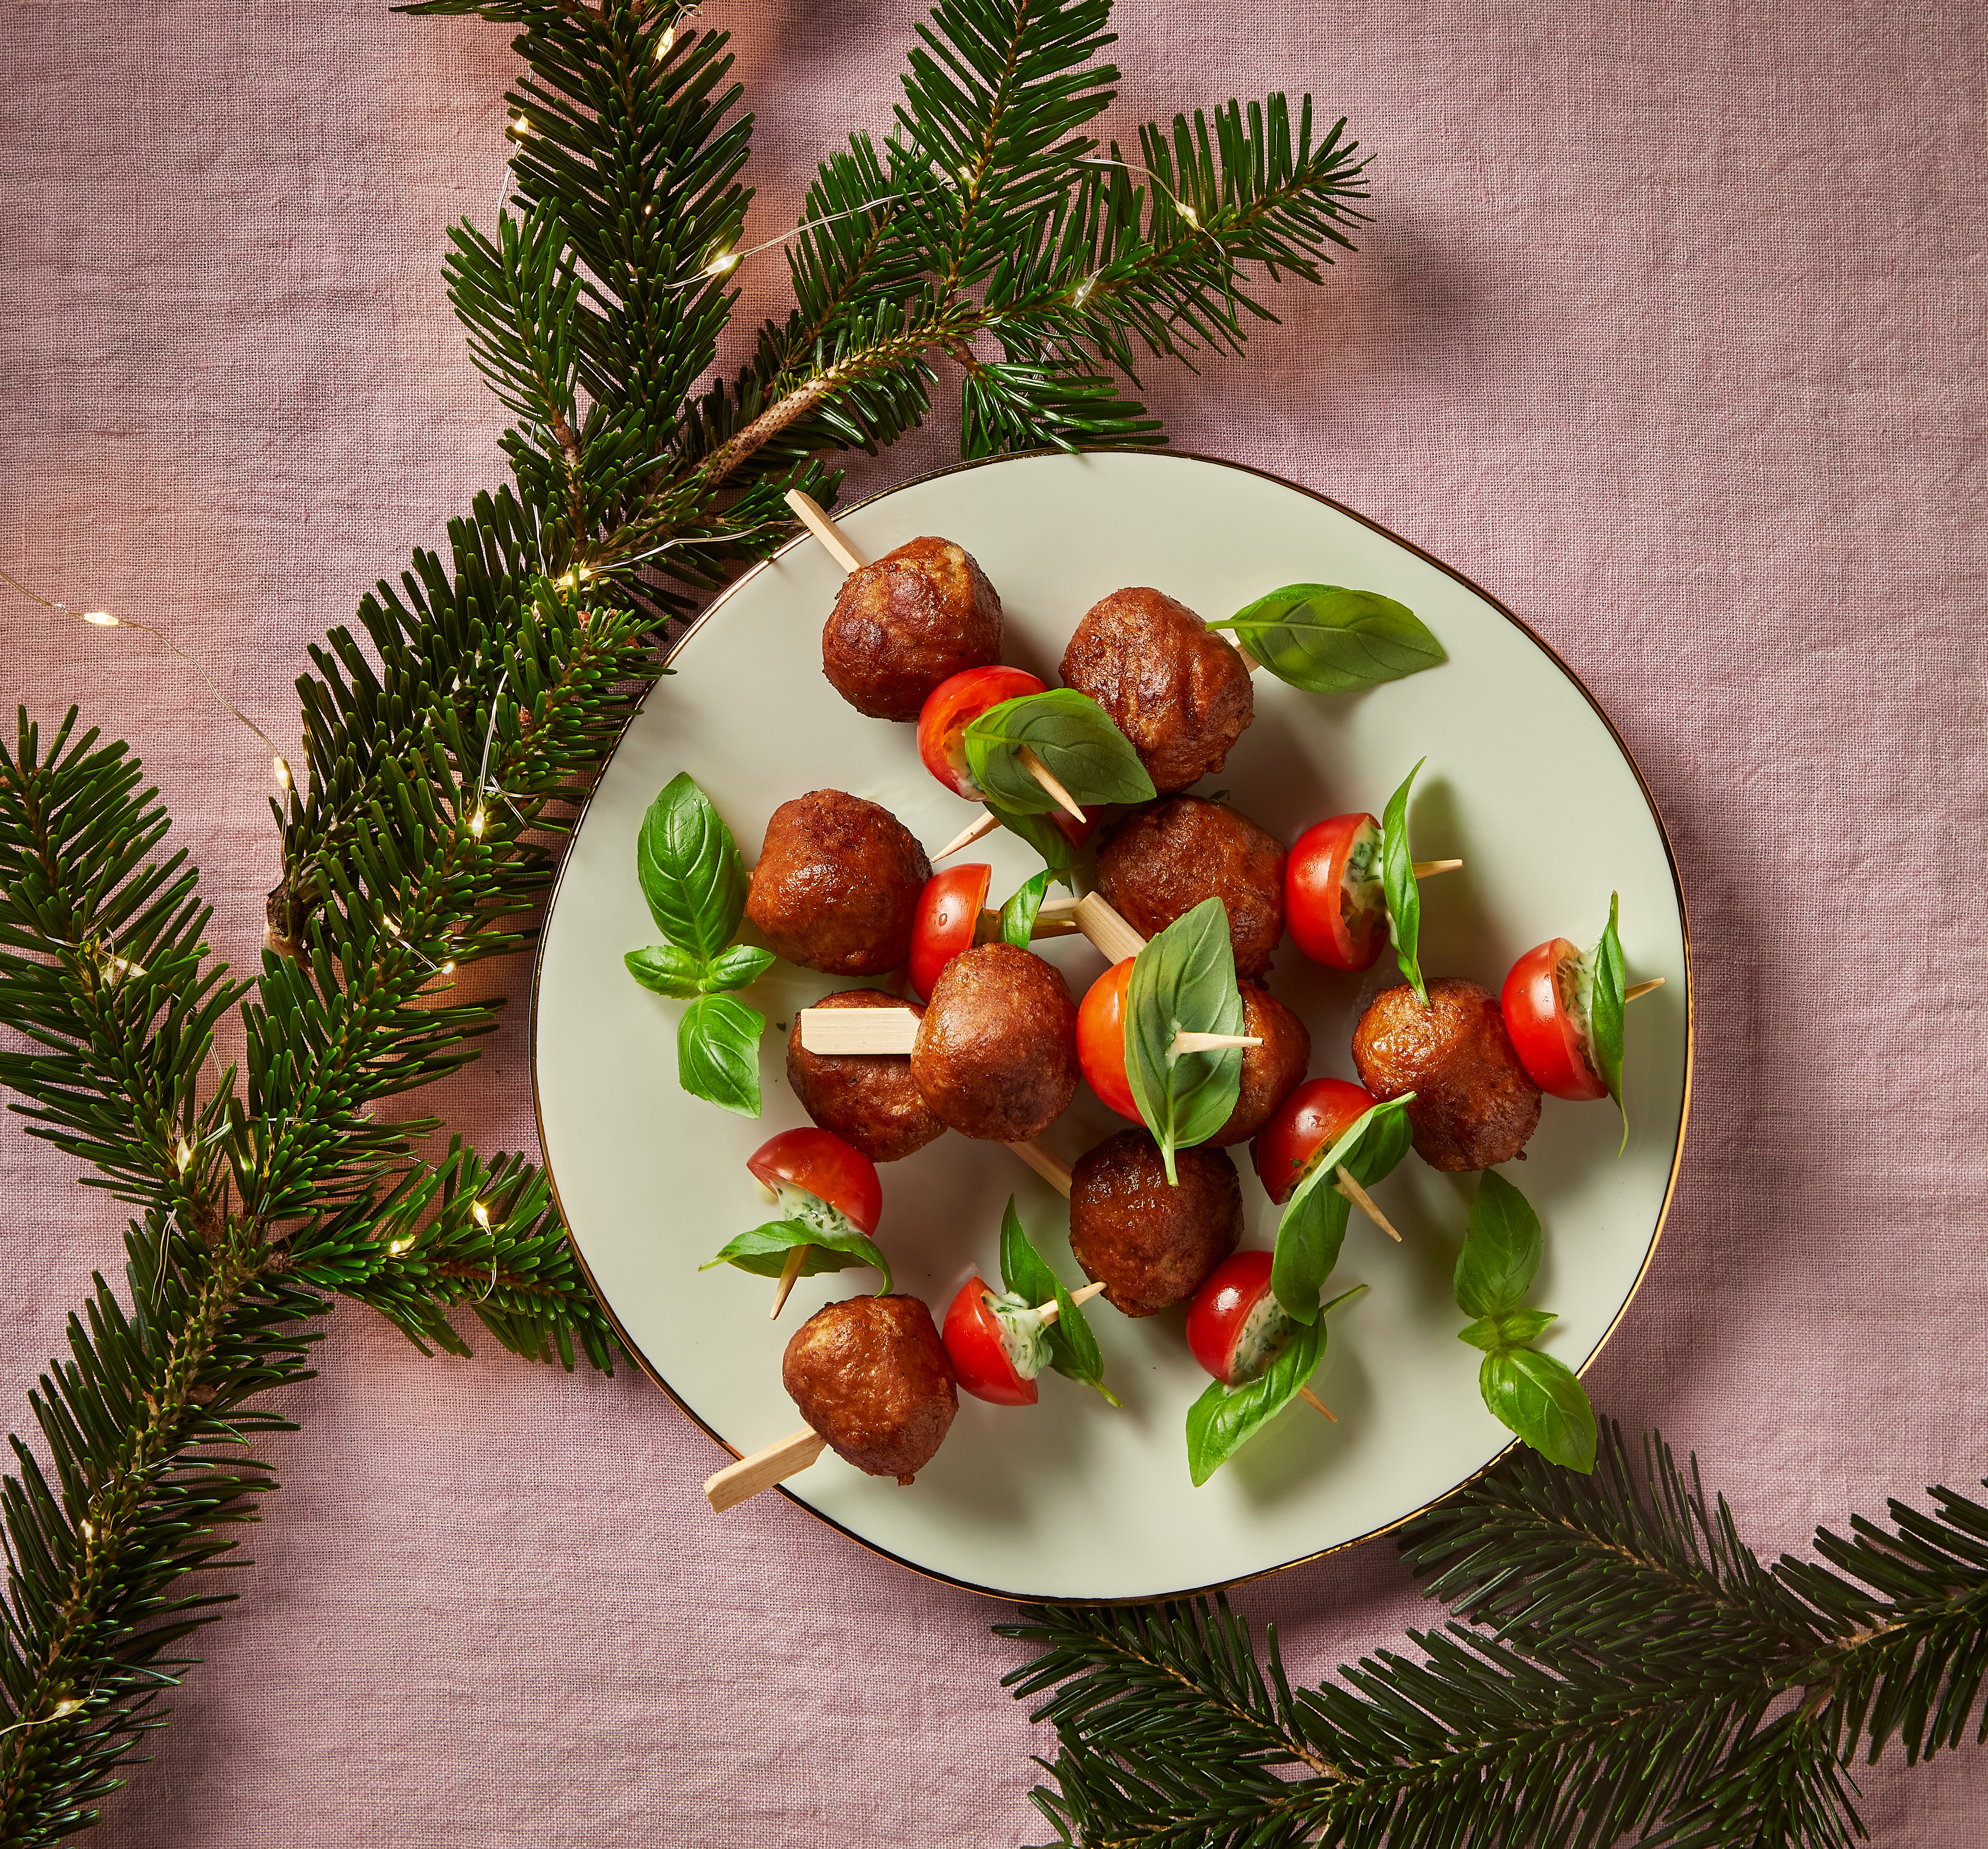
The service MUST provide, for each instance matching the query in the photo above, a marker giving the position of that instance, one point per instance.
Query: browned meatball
(906, 622)
(996, 1056)
(1474, 1105)
(836, 885)
(870, 1376)
(868, 1099)
(1178, 690)
(1149, 1244)
(1270, 1072)
(1162, 861)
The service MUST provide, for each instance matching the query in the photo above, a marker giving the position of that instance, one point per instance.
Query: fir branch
(1634, 1670)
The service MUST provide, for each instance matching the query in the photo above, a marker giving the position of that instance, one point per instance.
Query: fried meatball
(837, 884)
(1149, 1244)
(913, 618)
(1162, 861)
(1270, 1072)
(996, 1056)
(870, 1376)
(1178, 690)
(868, 1099)
(1475, 1105)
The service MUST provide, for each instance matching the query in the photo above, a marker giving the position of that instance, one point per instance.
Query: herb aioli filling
(1574, 978)
(811, 1210)
(1360, 889)
(1266, 1331)
(1023, 1337)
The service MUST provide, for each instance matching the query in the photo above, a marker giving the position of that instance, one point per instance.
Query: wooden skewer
(1184, 1042)
(895, 1030)
(1642, 988)
(983, 825)
(1046, 1163)
(809, 512)
(796, 1257)
(1312, 1399)
(1049, 1312)
(735, 1483)
(1428, 869)
(1099, 922)
(1360, 1199)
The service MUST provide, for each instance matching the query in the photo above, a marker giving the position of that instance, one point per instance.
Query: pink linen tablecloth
(1668, 332)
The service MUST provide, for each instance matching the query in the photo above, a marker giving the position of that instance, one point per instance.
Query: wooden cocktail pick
(739, 1482)
(809, 512)
(895, 1030)
(1642, 988)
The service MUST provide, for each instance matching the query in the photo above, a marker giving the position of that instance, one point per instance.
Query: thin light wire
(726, 261)
(104, 619)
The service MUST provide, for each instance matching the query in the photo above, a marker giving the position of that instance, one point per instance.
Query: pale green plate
(1526, 779)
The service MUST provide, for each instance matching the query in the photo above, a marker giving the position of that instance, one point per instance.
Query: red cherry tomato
(1074, 831)
(948, 915)
(822, 1165)
(955, 703)
(1326, 922)
(1308, 1122)
(1100, 1038)
(1551, 1043)
(972, 1338)
(1221, 1307)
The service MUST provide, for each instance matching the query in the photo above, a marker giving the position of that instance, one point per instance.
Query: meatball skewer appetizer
(906, 624)
(830, 1202)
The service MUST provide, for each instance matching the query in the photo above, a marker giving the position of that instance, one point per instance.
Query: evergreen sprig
(1618, 1663)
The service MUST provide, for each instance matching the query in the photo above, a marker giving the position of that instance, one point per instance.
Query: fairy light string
(104, 619)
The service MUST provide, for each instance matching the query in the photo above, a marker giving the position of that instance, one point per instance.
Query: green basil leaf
(737, 967)
(1501, 1252)
(1185, 977)
(1018, 916)
(1540, 1399)
(1326, 639)
(691, 872)
(1313, 1227)
(1398, 884)
(1605, 1007)
(666, 969)
(1513, 1331)
(718, 1052)
(1073, 1349)
(1076, 740)
(1053, 847)
(763, 1251)
(1224, 1419)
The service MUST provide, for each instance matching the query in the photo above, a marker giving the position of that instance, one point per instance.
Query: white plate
(1526, 779)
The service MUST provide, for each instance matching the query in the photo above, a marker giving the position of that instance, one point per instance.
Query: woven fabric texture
(1668, 331)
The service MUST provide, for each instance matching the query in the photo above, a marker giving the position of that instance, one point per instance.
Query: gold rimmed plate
(1525, 780)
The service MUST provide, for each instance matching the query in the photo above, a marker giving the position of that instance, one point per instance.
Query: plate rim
(630, 1348)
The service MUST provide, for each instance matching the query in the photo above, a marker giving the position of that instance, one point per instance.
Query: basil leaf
(1224, 1419)
(1539, 1398)
(1073, 1349)
(1185, 977)
(690, 873)
(1052, 845)
(666, 969)
(1514, 1330)
(718, 1052)
(1313, 1227)
(1018, 916)
(1605, 1006)
(1076, 740)
(733, 969)
(1501, 1252)
(1326, 639)
(763, 1251)
(1398, 882)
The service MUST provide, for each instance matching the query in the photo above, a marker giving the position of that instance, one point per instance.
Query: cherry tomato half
(954, 704)
(1308, 1123)
(1220, 1311)
(1551, 1044)
(1100, 1038)
(972, 1338)
(948, 915)
(819, 1163)
(1340, 924)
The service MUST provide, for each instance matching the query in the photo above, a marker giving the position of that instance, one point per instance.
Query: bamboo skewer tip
(796, 1258)
(1312, 1399)
(1643, 989)
(739, 1482)
(984, 824)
